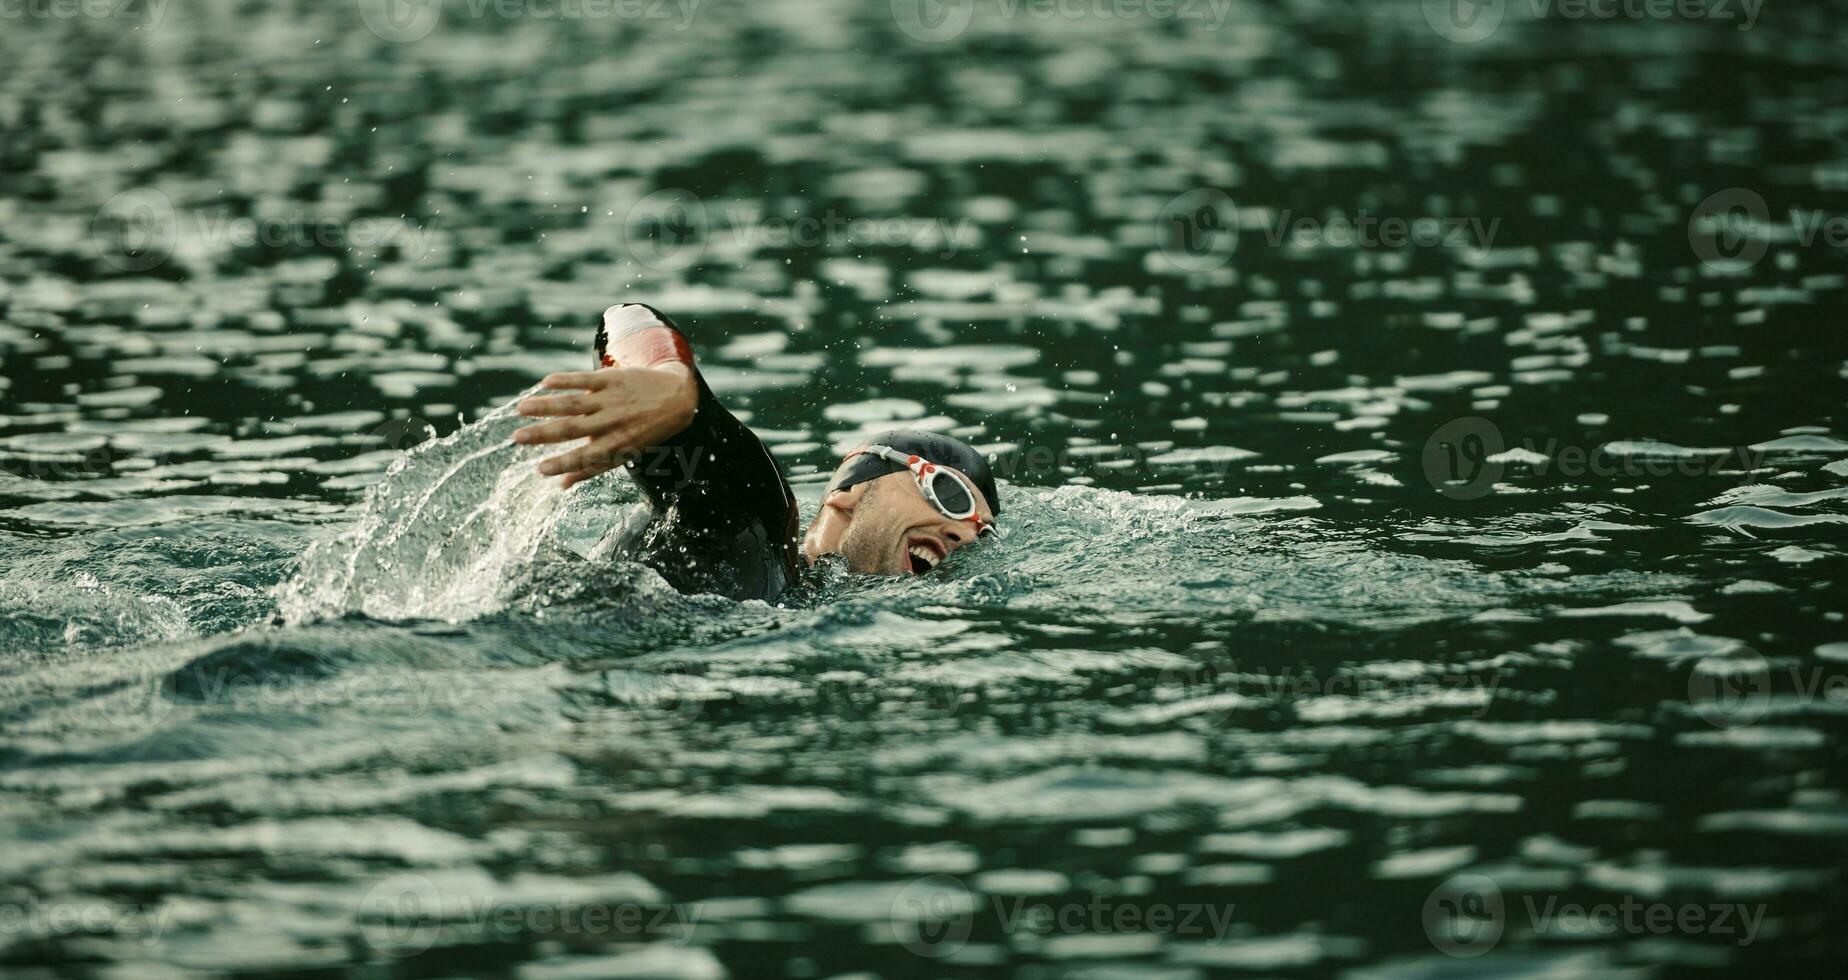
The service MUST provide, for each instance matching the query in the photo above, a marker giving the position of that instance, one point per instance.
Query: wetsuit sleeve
(725, 520)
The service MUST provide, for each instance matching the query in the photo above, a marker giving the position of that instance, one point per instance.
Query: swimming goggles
(946, 489)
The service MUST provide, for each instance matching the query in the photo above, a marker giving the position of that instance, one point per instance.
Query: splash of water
(443, 535)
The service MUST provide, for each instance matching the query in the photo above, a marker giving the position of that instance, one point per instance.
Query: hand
(624, 411)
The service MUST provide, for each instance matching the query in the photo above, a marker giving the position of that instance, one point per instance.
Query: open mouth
(922, 555)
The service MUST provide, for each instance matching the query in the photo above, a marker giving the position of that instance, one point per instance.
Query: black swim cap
(934, 447)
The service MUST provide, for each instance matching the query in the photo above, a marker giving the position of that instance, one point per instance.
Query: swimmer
(721, 517)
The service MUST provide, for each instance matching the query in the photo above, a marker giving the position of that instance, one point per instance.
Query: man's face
(895, 531)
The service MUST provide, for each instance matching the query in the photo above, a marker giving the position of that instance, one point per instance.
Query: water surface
(1364, 605)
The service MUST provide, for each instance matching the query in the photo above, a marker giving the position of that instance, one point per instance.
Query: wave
(449, 532)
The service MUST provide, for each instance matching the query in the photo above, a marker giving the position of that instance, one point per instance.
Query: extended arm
(720, 501)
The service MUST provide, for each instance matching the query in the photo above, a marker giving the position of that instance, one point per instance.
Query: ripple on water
(1741, 516)
(163, 510)
(452, 701)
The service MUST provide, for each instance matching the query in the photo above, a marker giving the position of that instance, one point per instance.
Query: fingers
(537, 407)
(572, 479)
(584, 380)
(607, 452)
(562, 430)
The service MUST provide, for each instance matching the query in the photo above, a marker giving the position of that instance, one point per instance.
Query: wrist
(683, 404)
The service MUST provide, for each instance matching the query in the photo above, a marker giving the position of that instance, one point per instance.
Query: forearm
(647, 406)
(713, 470)
(714, 466)
(725, 517)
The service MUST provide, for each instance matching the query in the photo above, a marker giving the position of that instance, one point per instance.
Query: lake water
(1424, 444)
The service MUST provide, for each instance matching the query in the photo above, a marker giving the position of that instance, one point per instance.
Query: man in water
(722, 517)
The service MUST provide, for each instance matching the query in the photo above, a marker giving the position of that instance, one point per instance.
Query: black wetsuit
(723, 517)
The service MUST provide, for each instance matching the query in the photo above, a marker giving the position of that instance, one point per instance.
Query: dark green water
(1468, 606)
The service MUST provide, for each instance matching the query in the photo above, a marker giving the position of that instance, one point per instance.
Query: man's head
(878, 516)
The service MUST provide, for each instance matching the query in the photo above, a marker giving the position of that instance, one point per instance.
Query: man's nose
(957, 534)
